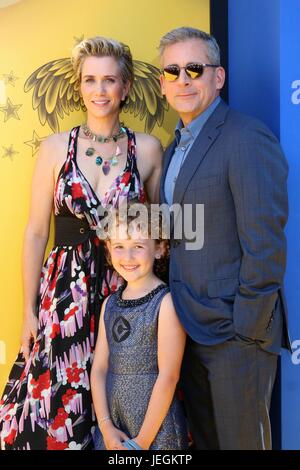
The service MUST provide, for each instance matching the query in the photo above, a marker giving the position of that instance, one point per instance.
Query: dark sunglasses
(193, 70)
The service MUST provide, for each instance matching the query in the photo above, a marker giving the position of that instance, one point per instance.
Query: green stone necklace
(106, 162)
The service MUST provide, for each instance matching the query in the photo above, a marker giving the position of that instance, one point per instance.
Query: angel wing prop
(55, 93)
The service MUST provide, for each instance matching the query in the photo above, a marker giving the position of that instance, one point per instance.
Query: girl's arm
(35, 238)
(112, 436)
(171, 342)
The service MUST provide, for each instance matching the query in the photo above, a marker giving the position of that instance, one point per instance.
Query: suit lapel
(202, 144)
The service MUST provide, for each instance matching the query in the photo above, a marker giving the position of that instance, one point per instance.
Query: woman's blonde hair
(99, 46)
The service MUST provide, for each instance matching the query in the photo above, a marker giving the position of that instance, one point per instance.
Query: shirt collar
(195, 126)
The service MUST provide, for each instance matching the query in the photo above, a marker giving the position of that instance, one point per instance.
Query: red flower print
(71, 312)
(9, 416)
(105, 291)
(73, 373)
(55, 331)
(77, 191)
(68, 396)
(46, 303)
(52, 284)
(42, 383)
(11, 437)
(60, 419)
(53, 444)
(126, 177)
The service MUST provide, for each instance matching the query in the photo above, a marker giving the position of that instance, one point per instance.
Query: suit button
(81, 230)
(176, 243)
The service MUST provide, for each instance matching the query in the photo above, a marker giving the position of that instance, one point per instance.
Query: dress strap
(131, 154)
(136, 184)
(72, 146)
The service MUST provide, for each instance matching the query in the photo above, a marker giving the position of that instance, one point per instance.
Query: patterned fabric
(131, 331)
(47, 402)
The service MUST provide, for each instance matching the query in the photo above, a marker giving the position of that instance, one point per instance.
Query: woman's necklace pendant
(106, 168)
(90, 152)
(114, 161)
(106, 162)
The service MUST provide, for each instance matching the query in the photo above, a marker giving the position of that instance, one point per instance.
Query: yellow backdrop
(33, 33)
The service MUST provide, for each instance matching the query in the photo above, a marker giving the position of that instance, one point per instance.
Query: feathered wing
(56, 93)
(145, 98)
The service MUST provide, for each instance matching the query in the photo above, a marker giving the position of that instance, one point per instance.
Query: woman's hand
(113, 437)
(29, 333)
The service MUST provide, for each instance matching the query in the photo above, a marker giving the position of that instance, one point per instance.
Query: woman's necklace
(106, 162)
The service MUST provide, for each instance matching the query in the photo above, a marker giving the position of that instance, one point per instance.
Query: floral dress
(47, 402)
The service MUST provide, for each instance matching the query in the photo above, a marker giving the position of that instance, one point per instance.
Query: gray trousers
(227, 392)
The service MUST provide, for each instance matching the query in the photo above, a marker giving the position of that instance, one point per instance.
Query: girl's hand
(113, 437)
(143, 443)
(29, 333)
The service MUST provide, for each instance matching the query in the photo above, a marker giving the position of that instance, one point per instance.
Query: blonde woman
(47, 402)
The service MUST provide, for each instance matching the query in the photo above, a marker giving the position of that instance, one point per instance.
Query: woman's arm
(111, 435)
(35, 238)
(170, 332)
(149, 161)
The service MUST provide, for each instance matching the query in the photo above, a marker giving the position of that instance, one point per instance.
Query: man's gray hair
(184, 33)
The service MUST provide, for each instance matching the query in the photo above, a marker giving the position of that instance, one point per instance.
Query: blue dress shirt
(185, 137)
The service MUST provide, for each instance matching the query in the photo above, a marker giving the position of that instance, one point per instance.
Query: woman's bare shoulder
(147, 140)
(150, 148)
(55, 147)
(57, 140)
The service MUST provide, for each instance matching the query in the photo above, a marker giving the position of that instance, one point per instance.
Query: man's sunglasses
(193, 70)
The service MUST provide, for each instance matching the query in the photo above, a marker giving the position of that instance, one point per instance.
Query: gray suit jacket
(234, 284)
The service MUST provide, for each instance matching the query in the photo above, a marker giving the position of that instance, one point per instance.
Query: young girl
(138, 353)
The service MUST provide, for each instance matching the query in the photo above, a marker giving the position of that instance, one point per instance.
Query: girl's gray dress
(131, 331)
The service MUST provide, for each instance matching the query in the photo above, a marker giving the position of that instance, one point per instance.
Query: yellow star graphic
(10, 78)
(10, 110)
(9, 152)
(34, 143)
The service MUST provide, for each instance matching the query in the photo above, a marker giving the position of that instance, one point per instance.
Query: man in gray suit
(228, 294)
